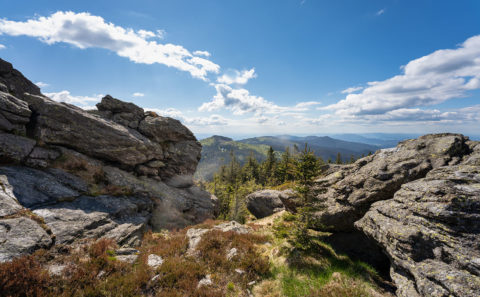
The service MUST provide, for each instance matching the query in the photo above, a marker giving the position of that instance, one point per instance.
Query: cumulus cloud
(84, 30)
(65, 96)
(429, 80)
(138, 94)
(212, 120)
(237, 77)
(240, 101)
(352, 90)
(41, 84)
(303, 106)
(2, 46)
(201, 53)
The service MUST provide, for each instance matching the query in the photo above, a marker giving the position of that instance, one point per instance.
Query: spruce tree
(308, 167)
(339, 158)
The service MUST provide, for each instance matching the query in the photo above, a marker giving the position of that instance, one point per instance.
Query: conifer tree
(339, 159)
(352, 159)
(269, 167)
(308, 167)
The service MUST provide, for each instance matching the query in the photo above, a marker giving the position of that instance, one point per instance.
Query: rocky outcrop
(347, 194)
(265, 203)
(420, 203)
(67, 174)
(430, 230)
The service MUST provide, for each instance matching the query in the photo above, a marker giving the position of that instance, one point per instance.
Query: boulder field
(418, 204)
(67, 174)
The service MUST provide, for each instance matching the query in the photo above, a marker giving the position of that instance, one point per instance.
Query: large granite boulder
(264, 203)
(124, 113)
(430, 231)
(347, 194)
(66, 125)
(67, 175)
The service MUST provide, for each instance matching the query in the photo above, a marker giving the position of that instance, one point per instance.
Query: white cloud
(161, 33)
(212, 120)
(381, 11)
(201, 53)
(146, 34)
(262, 120)
(303, 106)
(138, 94)
(352, 90)
(2, 46)
(429, 80)
(240, 101)
(41, 84)
(84, 30)
(65, 96)
(237, 77)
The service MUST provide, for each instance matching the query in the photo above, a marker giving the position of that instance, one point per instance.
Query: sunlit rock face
(420, 202)
(67, 174)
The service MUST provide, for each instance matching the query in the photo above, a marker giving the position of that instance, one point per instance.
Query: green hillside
(216, 152)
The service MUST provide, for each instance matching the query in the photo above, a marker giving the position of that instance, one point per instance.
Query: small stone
(154, 261)
(101, 274)
(252, 283)
(231, 253)
(239, 271)
(56, 269)
(233, 226)
(206, 281)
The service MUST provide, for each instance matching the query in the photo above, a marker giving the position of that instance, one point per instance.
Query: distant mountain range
(216, 149)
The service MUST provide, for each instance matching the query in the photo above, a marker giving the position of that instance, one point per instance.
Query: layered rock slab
(430, 231)
(346, 195)
(54, 167)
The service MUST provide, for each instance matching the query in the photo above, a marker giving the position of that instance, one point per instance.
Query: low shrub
(23, 276)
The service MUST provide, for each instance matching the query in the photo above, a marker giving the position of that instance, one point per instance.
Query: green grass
(316, 270)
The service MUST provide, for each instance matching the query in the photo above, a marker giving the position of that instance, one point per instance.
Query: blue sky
(259, 67)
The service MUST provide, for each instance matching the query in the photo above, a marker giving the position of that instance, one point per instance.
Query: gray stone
(56, 269)
(234, 227)
(232, 253)
(174, 207)
(14, 148)
(15, 82)
(122, 218)
(41, 157)
(264, 203)
(33, 187)
(430, 232)
(206, 281)
(67, 125)
(5, 124)
(154, 261)
(346, 195)
(124, 113)
(8, 203)
(20, 236)
(194, 236)
(14, 109)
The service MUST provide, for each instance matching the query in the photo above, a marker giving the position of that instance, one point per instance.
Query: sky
(252, 68)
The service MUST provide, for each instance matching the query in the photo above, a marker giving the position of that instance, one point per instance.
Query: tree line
(293, 168)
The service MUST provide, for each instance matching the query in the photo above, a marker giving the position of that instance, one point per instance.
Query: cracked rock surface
(67, 175)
